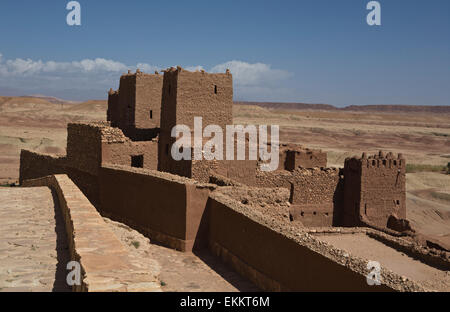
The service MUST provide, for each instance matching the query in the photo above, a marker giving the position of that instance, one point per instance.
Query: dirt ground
(180, 271)
(363, 246)
(423, 138)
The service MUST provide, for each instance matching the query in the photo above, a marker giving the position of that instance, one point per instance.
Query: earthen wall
(375, 189)
(165, 207)
(273, 260)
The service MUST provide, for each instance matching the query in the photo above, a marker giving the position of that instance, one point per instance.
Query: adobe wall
(317, 197)
(86, 182)
(113, 111)
(317, 194)
(375, 188)
(84, 146)
(167, 208)
(305, 158)
(187, 95)
(34, 165)
(148, 100)
(196, 94)
(276, 258)
(127, 100)
(136, 106)
(242, 171)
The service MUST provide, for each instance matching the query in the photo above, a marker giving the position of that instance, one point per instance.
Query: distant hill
(42, 101)
(50, 99)
(358, 108)
(93, 105)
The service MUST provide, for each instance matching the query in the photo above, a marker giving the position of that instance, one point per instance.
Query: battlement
(375, 188)
(380, 160)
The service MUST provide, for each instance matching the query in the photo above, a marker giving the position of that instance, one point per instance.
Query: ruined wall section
(34, 165)
(242, 171)
(113, 111)
(375, 189)
(317, 196)
(305, 158)
(84, 146)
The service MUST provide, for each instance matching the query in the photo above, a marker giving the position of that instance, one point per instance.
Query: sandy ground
(362, 246)
(40, 125)
(179, 271)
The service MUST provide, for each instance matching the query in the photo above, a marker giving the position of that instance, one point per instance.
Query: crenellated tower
(374, 189)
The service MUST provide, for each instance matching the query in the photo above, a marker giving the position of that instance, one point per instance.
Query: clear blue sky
(317, 51)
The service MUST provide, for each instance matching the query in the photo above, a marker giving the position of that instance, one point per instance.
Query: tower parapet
(374, 189)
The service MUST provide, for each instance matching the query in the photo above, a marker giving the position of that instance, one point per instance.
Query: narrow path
(33, 244)
(180, 271)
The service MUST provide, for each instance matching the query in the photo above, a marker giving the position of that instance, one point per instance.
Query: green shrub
(411, 168)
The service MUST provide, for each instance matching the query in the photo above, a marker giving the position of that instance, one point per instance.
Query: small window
(398, 202)
(215, 89)
(151, 114)
(137, 161)
(169, 89)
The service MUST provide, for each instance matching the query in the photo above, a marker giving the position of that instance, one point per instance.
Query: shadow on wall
(62, 249)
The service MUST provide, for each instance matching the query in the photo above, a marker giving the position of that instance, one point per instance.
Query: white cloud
(246, 74)
(194, 68)
(29, 67)
(55, 78)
